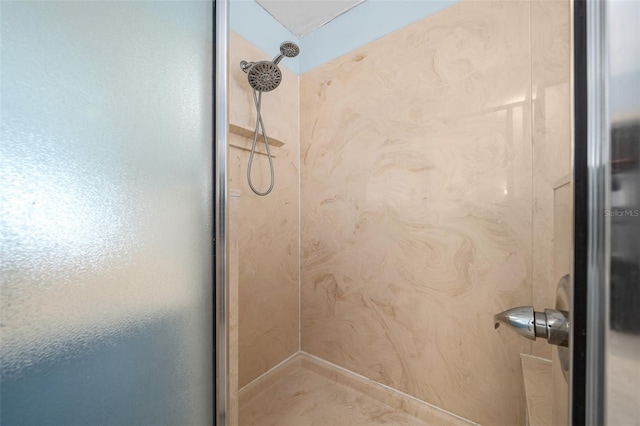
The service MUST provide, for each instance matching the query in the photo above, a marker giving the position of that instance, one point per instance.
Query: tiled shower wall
(418, 157)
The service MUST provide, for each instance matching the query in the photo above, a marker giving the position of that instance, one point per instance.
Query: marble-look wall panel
(416, 204)
(537, 382)
(268, 227)
(550, 75)
(232, 312)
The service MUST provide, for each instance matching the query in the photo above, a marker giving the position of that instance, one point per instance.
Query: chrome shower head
(288, 49)
(264, 76)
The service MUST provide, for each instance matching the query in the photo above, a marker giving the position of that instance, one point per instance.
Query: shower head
(288, 49)
(264, 76)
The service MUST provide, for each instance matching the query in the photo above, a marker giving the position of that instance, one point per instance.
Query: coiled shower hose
(257, 100)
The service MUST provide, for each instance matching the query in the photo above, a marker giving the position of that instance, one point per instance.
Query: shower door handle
(551, 324)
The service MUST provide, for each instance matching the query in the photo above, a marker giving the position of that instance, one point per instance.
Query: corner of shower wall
(267, 231)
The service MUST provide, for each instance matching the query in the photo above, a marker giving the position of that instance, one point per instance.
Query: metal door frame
(591, 198)
(221, 44)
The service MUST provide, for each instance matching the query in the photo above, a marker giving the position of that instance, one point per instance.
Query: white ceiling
(303, 16)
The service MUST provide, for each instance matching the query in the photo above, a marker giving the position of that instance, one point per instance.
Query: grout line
(387, 387)
(275, 367)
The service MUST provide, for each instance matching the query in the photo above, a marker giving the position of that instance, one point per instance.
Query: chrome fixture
(552, 324)
(288, 49)
(265, 76)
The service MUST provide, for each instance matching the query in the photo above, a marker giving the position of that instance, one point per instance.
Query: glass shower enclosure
(106, 291)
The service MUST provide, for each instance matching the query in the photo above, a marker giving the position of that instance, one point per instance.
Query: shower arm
(277, 59)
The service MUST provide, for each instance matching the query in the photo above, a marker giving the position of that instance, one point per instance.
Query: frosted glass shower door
(105, 213)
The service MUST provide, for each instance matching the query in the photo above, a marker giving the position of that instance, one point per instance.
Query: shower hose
(257, 100)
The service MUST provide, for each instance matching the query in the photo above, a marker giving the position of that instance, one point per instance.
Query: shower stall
(417, 212)
(438, 173)
(423, 184)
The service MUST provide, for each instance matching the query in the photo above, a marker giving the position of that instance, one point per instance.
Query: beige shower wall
(551, 88)
(417, 194)
(268, 227)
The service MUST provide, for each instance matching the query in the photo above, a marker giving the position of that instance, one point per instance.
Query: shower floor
(306, 391)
